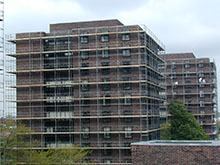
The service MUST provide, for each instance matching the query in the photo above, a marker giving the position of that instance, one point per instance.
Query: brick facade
(176, 153)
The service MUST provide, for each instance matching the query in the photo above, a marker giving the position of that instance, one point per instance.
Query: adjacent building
(176, 152)
(95, 84)
(193, 81)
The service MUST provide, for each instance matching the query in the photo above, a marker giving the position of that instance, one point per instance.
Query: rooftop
(179, 143)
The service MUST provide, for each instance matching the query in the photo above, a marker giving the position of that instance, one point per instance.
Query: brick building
(95, 84)
(176, 153)
(194, 82)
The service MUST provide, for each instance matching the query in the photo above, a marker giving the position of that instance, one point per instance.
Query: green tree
(183, 125)
(16, 148)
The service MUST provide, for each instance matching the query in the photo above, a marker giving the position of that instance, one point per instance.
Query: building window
(127, 161)
(125, 37)
(106, 101)
(201, 94)
(105, 38)
(127, 100)
(107, 161)
(85, 64)
(200, 65)
(105, 63)
(85, 113)
(201, 75)
(202, 113)
(85, 102)
(202, 104)
(106, 120)
(187, 74)
(86, 145)
(105, 53)
(107, 152)
(106, 87)
(85, 120)
(84, 39)
(187, 65)
(127, 144)
(107, 135)
(126, 70)
(128, 134)
(85, 135)
(84, 72)
(106, 71)
(126, 86)
(173, 65)
(84, 86)
(126, 52)
(126, 62)
(127, 119)
(84, 55)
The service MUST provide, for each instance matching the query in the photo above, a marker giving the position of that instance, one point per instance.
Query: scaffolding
(2, 78)
(193, 81)
(98, 87)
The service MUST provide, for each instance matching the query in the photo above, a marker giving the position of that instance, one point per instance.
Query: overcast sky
(182, 25)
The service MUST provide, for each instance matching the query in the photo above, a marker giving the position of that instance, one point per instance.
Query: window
(127, 144)
(84, 72)
(201, 74)
(127, 119)
(85, 135)
(173, 65)
(187, 65)
(105, 63)
(126, 52)
(84, 86)
(125, 37)
(128, 133)
(84, 39)
(106, 120)
(126, 86)
(84, 55)
(86, 145)
(107, 161)
(107, 144)
(202, 104)
(106, 134)
(105, 38)
(127, 161)
(84, 64)
(106, 71)
(202, 113)
(188, 91)
(105, 79)
(126, 70)
(200, 65)
(187, 74)
(127, 100)
(107, 152)
(85, 102)
(85, 113)
(106, 101)
(106, 87)
(126, 62)
(105, 53)
(201, 94)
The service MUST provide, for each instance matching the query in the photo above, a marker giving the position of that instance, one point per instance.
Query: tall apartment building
(194, 82)
(94, 84)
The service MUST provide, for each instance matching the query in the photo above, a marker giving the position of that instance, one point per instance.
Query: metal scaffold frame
(43, 110)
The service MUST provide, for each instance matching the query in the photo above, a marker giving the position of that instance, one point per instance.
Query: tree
(183, 125)
(16, 148)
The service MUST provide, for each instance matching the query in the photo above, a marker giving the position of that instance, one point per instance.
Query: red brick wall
(175, 155)
(70, 26)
